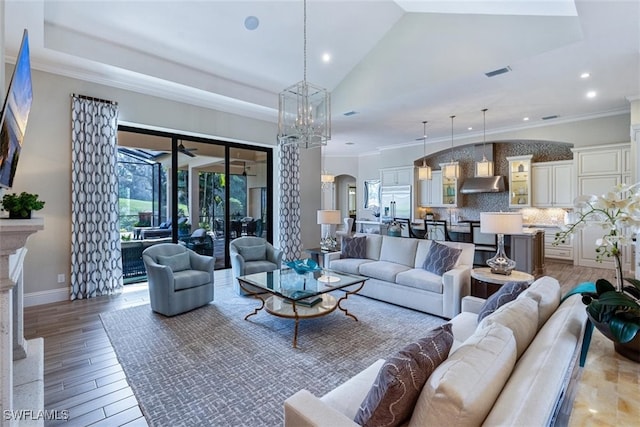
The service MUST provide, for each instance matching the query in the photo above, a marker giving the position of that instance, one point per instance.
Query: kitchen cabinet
(439, 191)
(563, 251)
(552, 184)
(519, 181)
(397, 176)
(599, 168)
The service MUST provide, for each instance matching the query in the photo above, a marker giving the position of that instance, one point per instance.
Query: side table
(318, 255)
(484, 283)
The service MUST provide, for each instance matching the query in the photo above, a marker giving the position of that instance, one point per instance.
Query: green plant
(618, 213)
(21, 205)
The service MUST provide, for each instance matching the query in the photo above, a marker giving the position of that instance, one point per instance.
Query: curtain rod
(91, 98)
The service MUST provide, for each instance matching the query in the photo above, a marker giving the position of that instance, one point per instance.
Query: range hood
(489, 184)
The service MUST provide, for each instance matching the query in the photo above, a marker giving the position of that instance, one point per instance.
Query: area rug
(211, 367)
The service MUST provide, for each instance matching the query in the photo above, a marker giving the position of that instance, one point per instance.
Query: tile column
(13, 236)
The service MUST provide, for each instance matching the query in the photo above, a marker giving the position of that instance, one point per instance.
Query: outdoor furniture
(252, 255)
(200, 242)
(179, 279)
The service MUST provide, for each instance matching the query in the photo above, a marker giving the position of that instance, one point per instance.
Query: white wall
(45, 163)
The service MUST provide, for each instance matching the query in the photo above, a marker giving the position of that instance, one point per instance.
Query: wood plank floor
(82, 374)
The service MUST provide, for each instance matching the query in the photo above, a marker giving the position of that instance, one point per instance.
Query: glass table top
(291, 285)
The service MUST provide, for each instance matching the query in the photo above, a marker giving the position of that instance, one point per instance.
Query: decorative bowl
(303, 266)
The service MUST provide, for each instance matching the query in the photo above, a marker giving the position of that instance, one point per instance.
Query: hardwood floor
(81, 371)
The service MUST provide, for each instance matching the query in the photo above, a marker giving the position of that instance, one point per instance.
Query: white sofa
(394, 268)
(493, 376)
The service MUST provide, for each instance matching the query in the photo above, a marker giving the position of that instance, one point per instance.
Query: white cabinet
(519, 181)
(599, 169)
(397, 176)
(438, 192)
(552, 184)
(562, 250)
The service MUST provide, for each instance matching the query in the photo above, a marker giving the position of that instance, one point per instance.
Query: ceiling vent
(550, 117)
(350, 113)
(498, 72)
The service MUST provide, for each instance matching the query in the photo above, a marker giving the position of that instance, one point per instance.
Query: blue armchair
(252, 255)
(179, 279)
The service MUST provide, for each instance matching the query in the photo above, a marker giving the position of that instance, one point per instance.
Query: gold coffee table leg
(256, 296)
(346, 295)
(295, 329)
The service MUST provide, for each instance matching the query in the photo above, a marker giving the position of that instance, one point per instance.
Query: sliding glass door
(197, 192)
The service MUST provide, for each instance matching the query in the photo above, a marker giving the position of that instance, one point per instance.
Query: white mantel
(21, 384)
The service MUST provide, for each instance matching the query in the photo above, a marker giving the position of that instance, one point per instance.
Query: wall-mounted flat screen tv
(15, 113)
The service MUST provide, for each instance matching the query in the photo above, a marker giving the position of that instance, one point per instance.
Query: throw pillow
(394, 393)
(440, 258)
(253, 253)
(177, 262)
(354, 247)
(507, 293)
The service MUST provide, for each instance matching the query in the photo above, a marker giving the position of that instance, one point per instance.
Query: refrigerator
(395, 202)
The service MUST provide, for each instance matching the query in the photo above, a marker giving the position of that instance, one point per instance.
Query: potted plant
(613, 309)
(20, 206)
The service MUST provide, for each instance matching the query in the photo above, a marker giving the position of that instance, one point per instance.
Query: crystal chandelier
(424, 171)
(304, 110)
(451, 170)
(484, 167)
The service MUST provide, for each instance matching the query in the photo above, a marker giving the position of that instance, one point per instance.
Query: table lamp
(328, 219)
(501, 223)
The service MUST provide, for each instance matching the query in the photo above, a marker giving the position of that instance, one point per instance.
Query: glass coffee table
(285, 293)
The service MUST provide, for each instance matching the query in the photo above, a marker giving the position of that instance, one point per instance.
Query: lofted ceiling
(394, 63)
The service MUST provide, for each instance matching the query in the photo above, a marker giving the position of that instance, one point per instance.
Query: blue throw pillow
(177, 262)
(253, 253)
(507, 293)
(353, 247)
(440, 258)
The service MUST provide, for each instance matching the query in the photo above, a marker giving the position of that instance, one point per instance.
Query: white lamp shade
(484, 168)
(424, 173)
(450, 170)
(326, 178)
(329, 217)
(501, 222)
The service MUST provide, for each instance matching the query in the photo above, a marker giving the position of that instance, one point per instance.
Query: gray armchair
(179, 279)
(252, 255)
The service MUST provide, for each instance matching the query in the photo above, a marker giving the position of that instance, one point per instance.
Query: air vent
(550, 117)
(498, 72)
(350, 113)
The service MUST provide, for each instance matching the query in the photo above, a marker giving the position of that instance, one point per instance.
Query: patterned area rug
(211, 367)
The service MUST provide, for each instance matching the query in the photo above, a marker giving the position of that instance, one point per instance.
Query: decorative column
(13, 236)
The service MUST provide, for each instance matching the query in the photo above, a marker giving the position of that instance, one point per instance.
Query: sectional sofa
(394, 266)
(512, 368)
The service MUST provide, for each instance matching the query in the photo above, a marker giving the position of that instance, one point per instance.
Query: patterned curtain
(96, 267)
(290, 233)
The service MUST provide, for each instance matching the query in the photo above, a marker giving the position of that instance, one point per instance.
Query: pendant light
(326, 179)
(424, 171)
(304, 109)
(451, 170)
(485, 167)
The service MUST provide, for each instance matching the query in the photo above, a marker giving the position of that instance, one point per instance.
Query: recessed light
(526, 119)
(326, 57)
(585, 75)
(591, 94)
(251, 23)
(469, 128)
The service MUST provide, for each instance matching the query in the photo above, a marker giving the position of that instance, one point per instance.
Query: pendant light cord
(452, 138)
(424, 144)
(304, 48)
(484, 134)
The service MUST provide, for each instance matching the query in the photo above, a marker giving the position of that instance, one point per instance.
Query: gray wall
(45, 163)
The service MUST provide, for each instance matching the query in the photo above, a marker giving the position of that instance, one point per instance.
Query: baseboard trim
(46, 297)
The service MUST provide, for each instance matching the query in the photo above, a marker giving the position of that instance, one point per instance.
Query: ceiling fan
(244, 169)
(185, 150)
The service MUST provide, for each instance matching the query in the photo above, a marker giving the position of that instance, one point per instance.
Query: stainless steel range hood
(490, 184)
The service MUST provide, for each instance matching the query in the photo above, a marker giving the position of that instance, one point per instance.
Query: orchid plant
(618, 213)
